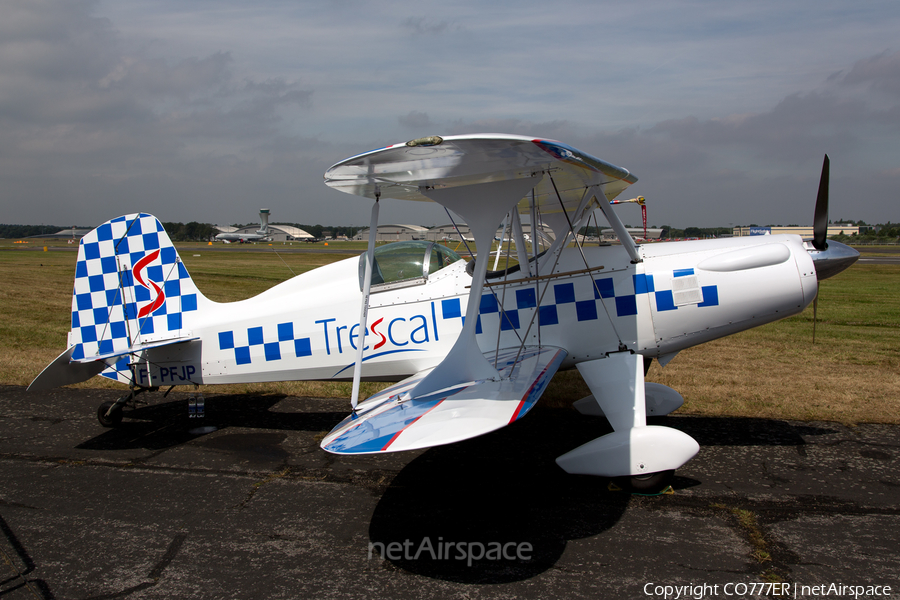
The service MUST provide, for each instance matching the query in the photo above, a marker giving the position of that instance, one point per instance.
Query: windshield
(406, 263)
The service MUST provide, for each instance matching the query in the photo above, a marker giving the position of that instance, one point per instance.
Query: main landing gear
(639, 457)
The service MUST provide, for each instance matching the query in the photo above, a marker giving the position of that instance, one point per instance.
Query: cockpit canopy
(404, 264)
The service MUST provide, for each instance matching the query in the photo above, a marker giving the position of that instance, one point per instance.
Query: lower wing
(389, 422)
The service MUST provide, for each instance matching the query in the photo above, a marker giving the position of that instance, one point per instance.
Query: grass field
(851, 374)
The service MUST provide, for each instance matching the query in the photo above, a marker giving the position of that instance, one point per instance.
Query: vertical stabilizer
(131, 291)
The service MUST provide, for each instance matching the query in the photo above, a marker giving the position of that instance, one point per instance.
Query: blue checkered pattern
(108, 298)
(264, 343)
(665, 300)
(563, 299)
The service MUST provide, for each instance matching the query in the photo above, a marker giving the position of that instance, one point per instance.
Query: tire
(113, 419)
(651, 483)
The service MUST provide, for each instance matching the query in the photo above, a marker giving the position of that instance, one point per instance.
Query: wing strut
(621, 231)
(364, 305)
(500, 243)
(482, 207)
(519, 236)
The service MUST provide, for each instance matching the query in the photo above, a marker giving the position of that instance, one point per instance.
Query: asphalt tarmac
(244, 504)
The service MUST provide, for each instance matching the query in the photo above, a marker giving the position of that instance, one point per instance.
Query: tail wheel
(107, 417)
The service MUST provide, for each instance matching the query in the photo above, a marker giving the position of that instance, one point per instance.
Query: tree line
(190, 232)
(203, 232)
(668, 231)
(24, 231)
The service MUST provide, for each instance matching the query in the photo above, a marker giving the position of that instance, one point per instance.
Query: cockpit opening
(404, 264)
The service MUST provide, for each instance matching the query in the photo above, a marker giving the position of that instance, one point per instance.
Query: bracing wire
(282, 260)
(586, 265)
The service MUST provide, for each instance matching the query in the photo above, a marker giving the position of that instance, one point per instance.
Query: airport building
(609, 235)
(73, 233)
(804, 232)
(394, 233)
(439, 233)
(448, 232)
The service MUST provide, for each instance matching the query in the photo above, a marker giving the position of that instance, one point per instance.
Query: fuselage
(681, 294)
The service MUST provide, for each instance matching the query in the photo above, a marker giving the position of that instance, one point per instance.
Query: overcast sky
(210, 110)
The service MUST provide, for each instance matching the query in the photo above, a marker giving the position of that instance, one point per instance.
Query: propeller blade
(820, 221)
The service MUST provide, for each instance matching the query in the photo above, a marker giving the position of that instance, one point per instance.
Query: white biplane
(472, 349)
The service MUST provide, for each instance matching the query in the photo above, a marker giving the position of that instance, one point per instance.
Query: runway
(244, 504)
(879, 255)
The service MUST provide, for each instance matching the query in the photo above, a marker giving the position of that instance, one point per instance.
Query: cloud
(788, 132)
(881, 71)
(157, 78)
(415, 120)
(83, 119)
(203, 112)
(425, 26)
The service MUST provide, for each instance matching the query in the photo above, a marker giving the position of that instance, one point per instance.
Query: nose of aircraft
(833, 259)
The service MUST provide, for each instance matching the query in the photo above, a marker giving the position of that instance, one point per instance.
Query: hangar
(609, 235)
(439, 233)
(73, 233)
(448, 232)
(394, 233)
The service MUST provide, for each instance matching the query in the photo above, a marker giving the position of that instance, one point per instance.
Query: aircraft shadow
(161, 426)
(504, 490)
(501, 490)
(500, 499)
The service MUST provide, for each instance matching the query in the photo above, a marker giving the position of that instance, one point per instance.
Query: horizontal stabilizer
(63, 371)
(386, 423)
(137, 348)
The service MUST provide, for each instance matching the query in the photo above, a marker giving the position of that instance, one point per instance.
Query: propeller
(831, 258)
(820, 227)
(820, 221)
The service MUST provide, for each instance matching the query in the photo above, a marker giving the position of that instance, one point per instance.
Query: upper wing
(388, 423)
(403, 171)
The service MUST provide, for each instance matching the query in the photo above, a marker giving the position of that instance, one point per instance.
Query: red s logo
(160, 295)
(381, 335)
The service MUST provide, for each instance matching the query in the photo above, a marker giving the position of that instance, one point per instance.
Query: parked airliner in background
(261, 235)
